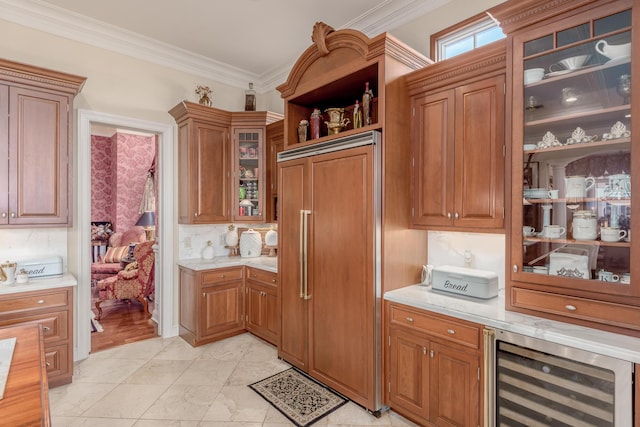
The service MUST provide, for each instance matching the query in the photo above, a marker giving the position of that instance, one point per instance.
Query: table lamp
(148, 221)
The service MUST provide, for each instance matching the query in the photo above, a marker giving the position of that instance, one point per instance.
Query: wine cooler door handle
(306, 254)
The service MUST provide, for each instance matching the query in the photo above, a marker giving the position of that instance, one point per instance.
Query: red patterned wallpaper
(118, 176)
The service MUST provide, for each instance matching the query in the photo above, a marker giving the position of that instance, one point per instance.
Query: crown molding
(60, 22)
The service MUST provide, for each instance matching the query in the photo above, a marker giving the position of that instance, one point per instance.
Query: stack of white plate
(535, 193)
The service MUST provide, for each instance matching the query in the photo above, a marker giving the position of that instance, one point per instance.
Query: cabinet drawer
(452, 330)
(266, 277)
(57, 360)
(54, 324)
(16, 303)
(578, 308)
(221, 275)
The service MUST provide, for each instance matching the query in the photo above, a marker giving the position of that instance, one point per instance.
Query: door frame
(164, 294)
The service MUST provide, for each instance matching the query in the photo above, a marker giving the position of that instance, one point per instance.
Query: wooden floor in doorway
(123, 322)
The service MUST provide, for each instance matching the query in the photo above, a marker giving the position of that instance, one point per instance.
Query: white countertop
(492, 313)
(39, 284)
(262, 262)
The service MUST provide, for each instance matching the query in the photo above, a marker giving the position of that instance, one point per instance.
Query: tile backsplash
(193, 239)
(21, 243)
(487, 251)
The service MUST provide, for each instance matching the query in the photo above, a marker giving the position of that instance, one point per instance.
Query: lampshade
(148, 221)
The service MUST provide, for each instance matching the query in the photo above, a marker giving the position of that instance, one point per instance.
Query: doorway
(164, 300)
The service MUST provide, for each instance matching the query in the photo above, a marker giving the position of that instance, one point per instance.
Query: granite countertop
(263, 262)
(39, 284)
(492, 313)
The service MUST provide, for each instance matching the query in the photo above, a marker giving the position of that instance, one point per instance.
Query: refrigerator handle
(305, 254)
(302, 250)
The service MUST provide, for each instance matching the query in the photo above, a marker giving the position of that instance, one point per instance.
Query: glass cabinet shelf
(576, 137)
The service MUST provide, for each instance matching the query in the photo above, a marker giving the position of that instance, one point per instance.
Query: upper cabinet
(275, 144)
(573, 162)
(36, 114)
(220, 163)
(458, 144)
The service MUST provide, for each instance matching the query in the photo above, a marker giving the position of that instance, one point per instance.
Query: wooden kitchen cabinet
(36, 107)
(211, 166)
(458, 148)
(275, 144)
(53, 310)
(572, 131)
(204, 162)
(211, 304)
(261, 293)
(433, 367)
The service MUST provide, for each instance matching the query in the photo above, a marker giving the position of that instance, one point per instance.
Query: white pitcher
(577, 186)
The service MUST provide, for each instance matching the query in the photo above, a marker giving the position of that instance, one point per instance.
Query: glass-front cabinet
(248, 172)
(573, 166)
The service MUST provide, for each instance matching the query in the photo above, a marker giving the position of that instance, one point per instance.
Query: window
(465, 36)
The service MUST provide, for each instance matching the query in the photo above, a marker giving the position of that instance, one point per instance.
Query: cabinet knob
(515, 268)
(47, 364)
(448, 215)
(451, 331)
(570, 307)
(204, 294)
(456, 216)
(46, 328)
(4, 214)
(222, 276)
(273, 280)
(13, 214)
(195, 214)
(40, 301)
(410, 319)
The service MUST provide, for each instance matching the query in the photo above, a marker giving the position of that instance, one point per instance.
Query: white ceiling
(232, 41)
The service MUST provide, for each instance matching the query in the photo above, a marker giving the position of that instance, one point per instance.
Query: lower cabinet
(211, 304)
(433, 367)
(53, 309)
(261, 292)
(222, 302)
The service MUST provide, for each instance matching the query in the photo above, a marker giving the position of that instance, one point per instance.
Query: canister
(585, 225)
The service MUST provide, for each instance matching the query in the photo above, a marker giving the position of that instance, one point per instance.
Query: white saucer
(620, 60)
(558, 73)
(534, 234)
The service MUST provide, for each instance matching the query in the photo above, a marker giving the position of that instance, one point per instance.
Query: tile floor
(166, 382)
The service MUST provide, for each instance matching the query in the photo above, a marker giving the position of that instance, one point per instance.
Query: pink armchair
(109, 264)
(135, 283)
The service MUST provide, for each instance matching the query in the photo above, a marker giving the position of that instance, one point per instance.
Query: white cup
(607, 276)
(553, 194)
(533, 75)
(553, 231)
(612, 234)
(528, 230)
(625, 278)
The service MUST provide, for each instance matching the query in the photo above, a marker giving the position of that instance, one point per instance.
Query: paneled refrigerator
(330, 290)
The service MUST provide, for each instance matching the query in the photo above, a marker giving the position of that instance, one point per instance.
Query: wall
(101, 178)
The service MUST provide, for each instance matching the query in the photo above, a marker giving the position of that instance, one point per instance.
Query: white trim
(163, 313)
(58, 21)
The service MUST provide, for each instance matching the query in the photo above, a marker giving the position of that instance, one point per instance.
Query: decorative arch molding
(327, 41)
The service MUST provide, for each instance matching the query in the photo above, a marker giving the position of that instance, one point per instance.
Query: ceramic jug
(577, 186)
(613, 51)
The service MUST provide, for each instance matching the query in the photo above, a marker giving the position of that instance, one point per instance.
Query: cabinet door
(38, 157)
(222, 308)
(4, 149)
(409, 372)
(479, 154)
(248, 171)
(455, 387)
(204, 153)
(262, 311)
(341, 286)
(292, 342)
(433, 157)
(275, 144)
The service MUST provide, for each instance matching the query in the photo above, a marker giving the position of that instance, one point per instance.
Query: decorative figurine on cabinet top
(203, 92)
(316, 118)
(357, 116)
(250, 99)
(303, 126)
(367, 99)
(337, 121)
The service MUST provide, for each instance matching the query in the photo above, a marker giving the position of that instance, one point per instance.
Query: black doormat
(300, 398)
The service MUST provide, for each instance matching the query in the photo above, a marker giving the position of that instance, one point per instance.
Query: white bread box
(42, 266)
(465, 281)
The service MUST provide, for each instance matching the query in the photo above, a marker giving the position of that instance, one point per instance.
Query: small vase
(303, 126)
(367, 99)
(231, 237)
